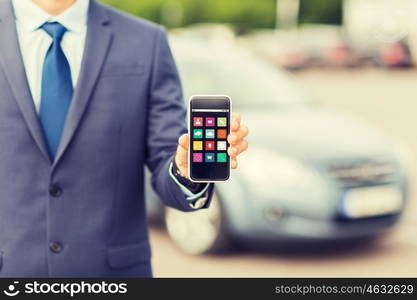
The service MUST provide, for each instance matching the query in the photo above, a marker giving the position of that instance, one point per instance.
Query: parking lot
(387, 99)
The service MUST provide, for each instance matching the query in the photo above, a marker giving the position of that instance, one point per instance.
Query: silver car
(311, 174)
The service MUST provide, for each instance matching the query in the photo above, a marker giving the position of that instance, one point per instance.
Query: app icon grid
(209, 137)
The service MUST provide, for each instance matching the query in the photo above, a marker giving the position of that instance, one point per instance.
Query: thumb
(181, 158)
(183, 141)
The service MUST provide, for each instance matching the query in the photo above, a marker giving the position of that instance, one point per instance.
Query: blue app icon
(209, 157)
(210, 133)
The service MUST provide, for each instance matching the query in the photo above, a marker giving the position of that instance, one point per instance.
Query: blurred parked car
(311, 174)
(394, 55)
(307, 46)
(384, 30)
(328, 46)
(281, 48)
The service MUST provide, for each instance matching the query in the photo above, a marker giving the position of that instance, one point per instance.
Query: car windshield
(251, 84)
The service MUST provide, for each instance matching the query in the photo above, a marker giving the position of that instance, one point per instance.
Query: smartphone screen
(209, 126)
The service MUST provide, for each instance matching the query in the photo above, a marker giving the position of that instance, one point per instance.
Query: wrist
(192, 186)
(180, 171)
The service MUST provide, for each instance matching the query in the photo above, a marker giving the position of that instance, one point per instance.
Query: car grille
(363, 171)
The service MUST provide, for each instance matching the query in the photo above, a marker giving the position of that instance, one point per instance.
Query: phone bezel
(206, 97)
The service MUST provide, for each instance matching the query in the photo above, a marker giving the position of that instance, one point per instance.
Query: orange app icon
(221, 133)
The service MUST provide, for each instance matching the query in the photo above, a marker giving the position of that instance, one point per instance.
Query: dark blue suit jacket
(83, 214)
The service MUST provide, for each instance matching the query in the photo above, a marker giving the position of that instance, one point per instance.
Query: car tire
(200, 232)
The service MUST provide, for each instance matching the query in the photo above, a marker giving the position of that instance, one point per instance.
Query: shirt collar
(31, 16)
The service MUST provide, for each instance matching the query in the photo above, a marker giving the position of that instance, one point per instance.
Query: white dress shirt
(35, 42)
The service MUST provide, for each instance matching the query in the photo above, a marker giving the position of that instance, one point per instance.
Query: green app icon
(198, 133)
(221, 122)
(221, 157)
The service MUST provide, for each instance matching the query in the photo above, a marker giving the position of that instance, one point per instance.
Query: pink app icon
(198, 121)
(210, 122)
(197, 157)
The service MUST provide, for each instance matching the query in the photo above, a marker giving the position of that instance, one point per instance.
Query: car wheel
(199, 232)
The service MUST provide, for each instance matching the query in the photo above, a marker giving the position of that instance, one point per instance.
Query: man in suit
(88, 97)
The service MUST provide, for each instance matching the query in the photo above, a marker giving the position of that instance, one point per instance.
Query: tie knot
(54, 29)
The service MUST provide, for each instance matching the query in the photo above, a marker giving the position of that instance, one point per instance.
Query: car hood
(316, 134)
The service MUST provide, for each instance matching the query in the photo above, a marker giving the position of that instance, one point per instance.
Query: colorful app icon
(209, 157)
(221, 146)
(197, 146)
(221, 133)
(198, 133)
(197, 157)
(221, 122)
(210, 134)
(221, 157)
(210, 146)
(210, 122)
(198, 121)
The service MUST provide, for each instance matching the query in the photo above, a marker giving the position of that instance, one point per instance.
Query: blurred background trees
(321, 11)
(244, 13)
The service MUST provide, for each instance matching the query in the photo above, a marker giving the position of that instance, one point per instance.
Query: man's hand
(236, 139)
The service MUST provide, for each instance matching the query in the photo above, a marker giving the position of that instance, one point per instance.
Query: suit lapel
(98, 41)
(12, 63)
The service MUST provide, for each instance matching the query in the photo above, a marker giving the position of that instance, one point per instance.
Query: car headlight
(268, 171)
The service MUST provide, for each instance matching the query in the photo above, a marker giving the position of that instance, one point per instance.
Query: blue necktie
(56, 90)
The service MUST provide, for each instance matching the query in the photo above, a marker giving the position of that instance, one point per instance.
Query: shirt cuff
(190, 196)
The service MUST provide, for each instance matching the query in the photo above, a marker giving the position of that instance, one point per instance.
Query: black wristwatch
(194, 188)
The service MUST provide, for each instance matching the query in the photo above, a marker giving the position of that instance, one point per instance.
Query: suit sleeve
(166, 123)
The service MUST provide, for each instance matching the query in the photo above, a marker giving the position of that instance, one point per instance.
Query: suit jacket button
(55, 190)
(55, 247)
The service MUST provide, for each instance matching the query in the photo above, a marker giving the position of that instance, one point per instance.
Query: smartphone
(208, 126)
